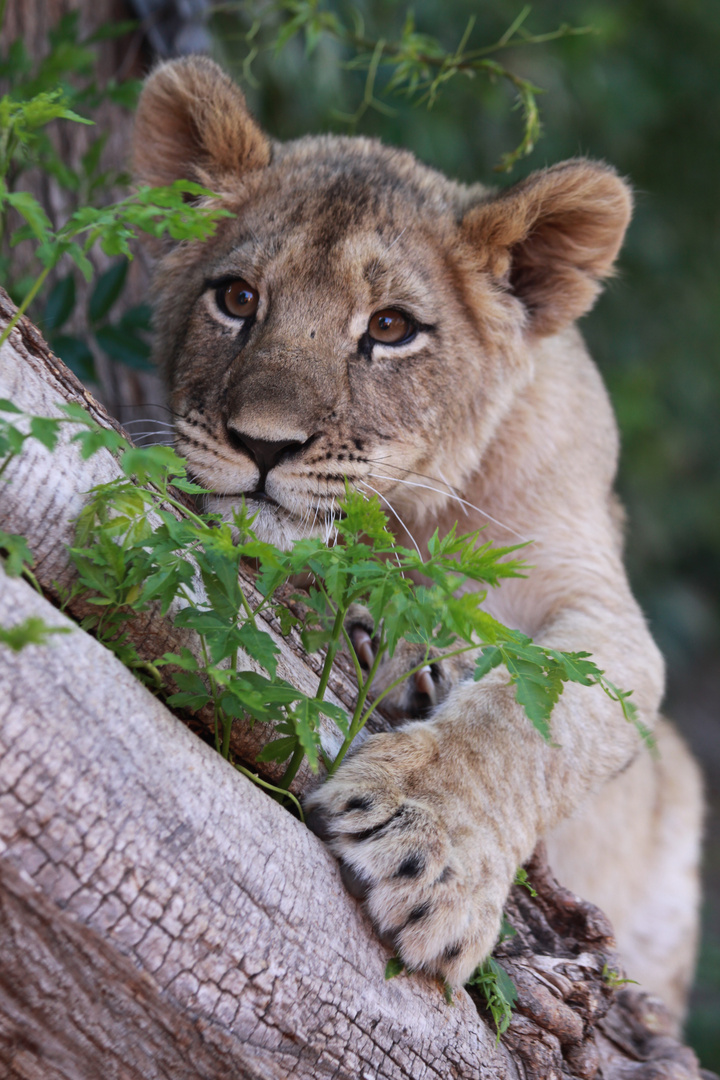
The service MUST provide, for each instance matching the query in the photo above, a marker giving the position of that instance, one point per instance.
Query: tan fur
(496, 401)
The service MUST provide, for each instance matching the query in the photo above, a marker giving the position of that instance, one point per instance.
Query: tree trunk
(161, 916)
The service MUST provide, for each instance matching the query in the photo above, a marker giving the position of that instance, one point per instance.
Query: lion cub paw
(431, 881)
(419, 694)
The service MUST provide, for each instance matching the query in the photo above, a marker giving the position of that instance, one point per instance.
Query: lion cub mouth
(256, 496)
(273, 523)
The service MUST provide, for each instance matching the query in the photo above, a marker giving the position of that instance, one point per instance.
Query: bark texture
(161, 916)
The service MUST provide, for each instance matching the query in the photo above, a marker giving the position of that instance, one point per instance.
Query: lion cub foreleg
(431, 821)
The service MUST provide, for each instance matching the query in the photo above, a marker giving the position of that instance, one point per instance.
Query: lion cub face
(359, 315)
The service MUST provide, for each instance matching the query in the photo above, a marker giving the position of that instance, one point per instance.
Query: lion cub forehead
(363, 172)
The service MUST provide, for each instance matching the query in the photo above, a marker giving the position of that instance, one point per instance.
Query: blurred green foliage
(642, 92)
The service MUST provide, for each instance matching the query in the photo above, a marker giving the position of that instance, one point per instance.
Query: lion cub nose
(266, 455)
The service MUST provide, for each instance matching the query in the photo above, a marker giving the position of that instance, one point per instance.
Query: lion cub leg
(633, 848)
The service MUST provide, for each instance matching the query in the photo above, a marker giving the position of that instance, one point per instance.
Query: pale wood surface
(141, 833)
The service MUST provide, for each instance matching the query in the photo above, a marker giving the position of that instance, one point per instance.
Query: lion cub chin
(360, 316)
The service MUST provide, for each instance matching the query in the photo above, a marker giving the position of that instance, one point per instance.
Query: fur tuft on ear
(553, 237)
(193, 123)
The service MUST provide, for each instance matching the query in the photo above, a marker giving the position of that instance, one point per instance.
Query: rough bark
(160, 915)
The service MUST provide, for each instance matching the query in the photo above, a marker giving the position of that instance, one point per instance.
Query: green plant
(125, 340)
(417, 65)
(498, 991)
(63, 82)
(614, 979)
(31, 631)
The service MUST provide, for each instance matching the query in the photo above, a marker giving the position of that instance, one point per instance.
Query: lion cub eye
(237, 299)
(390, 327)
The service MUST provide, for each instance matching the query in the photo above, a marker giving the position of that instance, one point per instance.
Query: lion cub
(361, 316)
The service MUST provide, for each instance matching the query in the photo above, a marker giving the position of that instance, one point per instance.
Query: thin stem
(145, 665)
(34, 290)
(292, 768)
(356, 722)
(183, 509)
(7, 461)
(29, 576)
(412, 671)
(353, 657)
(330, 654)
(271, 787)
(216, 706)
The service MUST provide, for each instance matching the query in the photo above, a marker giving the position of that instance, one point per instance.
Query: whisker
(146, 405)
(151, 431)
(393, 512)
(412, 472)
(463, 502)
(149, 439)
(149, 420)
(448, 486)
(317, 511)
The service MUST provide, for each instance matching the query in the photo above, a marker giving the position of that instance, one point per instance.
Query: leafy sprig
(417, 65)
(498, 991)
(155, 211)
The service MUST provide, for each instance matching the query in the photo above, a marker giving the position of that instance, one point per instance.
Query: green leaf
(59, 304)
(97, 438)
(193, 693)
(138, 317)
(18, 555)
(126, 346)
(507, 930)
(521, 878)
(287, 620)
(107, 290)
(279, 749)
(31, 631)
(30, 209)
(305, 719)
(506, 987)
(126, 93)
(111, 30)
(498, 990)
(184, 660)
(46, 430)
(394, 967)
(489, 658)
(152, 464)
(260, 646)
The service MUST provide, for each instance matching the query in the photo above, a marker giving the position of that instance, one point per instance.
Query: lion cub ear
(553, 237)
(192, 123)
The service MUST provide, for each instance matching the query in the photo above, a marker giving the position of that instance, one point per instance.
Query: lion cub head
(359, 315)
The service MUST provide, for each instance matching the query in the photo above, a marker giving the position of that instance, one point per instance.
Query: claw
(353, 882)
(424, 682)
(362, 644)
(317, 822)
